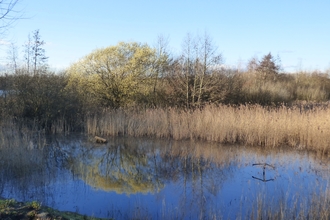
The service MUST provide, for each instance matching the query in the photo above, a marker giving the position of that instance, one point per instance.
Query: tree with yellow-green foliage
(114, 76)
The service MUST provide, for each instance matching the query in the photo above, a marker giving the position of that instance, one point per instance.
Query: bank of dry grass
(248, 125)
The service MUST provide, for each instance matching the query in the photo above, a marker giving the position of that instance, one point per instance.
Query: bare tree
(194, 72)
(34, 53)
(12, 57)
(210, 60)
(28, 53)
(252, 64)
(161, 65)
(180, 74)
(39, 58)
(186, 60)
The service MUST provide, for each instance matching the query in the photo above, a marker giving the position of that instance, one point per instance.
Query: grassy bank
(11, 209)
(249, 125)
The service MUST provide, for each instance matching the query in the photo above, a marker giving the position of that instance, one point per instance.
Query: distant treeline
(52, 103)
(137, 76)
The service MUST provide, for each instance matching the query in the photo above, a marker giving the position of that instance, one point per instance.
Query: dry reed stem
(249, 125)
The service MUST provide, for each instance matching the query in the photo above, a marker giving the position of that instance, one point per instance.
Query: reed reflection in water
(147, 179)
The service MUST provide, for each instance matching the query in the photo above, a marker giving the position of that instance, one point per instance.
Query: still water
(157, 179)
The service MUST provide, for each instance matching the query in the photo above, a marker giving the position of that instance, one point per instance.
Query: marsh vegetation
(213, 124)
(48, 103)
(253, 125)
(135, 89)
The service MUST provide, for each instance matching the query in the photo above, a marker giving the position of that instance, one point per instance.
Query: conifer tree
(268, 65)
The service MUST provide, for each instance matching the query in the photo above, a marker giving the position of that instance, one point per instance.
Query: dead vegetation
(254, 125)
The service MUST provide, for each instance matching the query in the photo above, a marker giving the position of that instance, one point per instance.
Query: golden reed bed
(248, 125)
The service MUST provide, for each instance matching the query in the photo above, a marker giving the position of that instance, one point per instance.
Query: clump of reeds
(249, 125)
(14, 135)
(297, 207)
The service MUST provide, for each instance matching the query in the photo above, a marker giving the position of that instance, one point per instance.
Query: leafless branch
(7, 14)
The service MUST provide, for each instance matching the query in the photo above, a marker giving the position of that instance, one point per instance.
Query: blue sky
(296, 30)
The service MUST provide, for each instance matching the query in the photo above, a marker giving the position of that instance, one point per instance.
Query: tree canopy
(114, 75)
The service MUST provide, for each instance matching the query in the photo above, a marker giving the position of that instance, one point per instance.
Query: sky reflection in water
(128, 178)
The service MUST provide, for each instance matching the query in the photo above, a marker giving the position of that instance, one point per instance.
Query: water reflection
(138, 178)
(120, 167)
(264, 166)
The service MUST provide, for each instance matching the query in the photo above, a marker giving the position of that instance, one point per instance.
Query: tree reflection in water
(144, 178)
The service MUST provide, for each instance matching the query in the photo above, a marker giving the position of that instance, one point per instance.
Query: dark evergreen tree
(268, 65)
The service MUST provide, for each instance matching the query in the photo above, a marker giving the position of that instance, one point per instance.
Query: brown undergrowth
(254, 125)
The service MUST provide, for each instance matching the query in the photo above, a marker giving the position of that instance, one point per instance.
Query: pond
(130, 178)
